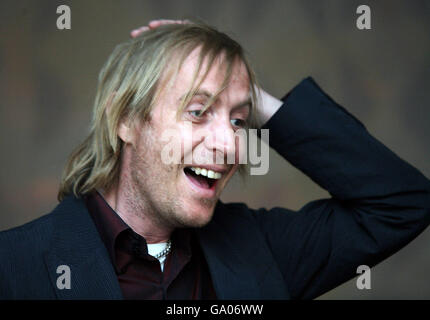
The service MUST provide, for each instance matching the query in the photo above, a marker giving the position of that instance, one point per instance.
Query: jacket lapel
(239, 259)
(77, 245)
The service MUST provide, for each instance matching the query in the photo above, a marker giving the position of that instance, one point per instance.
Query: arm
(379, 202)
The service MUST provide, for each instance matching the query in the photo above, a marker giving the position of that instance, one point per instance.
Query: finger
(136, 32)
(140, 30)
(182, 21)
(156, 23)
(159, 22)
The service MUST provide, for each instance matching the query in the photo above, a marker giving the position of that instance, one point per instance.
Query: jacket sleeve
(378, 203)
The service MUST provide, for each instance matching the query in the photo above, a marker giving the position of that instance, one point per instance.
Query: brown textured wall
(48, 78)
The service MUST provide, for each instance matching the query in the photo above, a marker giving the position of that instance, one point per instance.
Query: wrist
(267, 105)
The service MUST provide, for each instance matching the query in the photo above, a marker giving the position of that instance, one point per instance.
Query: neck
(137, 214)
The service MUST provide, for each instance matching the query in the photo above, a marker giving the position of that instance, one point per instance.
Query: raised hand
(155, 24)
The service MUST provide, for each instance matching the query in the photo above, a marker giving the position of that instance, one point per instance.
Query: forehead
(238, 84)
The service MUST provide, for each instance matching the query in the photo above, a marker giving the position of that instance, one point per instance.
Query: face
(184, 193)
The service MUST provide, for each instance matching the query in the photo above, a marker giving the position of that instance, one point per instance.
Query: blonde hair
(128, 86)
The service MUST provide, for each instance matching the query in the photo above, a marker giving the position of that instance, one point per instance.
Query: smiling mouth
(203, 178)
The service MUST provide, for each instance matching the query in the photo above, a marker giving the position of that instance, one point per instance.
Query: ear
(124, 129)
(125, 132)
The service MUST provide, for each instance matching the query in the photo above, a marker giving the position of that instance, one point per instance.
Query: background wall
(48, 79)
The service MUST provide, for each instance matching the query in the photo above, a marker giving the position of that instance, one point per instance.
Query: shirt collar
(108, 223)
(110, 226)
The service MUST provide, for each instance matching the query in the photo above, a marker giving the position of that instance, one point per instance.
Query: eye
(238, 123)
(195, 113)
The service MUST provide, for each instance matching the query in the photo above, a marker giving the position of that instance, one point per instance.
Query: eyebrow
(202, 92)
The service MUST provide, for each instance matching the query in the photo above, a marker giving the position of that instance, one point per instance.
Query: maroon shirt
(186, 274)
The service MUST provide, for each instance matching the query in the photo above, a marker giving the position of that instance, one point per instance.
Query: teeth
(207, 173)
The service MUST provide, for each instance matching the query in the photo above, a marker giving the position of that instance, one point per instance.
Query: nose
(221, 141)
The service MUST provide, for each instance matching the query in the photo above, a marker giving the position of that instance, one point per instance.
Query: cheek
(190, 138)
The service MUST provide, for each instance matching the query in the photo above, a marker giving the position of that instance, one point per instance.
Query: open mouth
(203, 178)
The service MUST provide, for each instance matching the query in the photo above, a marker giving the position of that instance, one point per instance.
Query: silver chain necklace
(165, 252)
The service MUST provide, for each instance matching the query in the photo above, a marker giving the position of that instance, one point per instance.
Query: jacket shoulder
(24, 250)
(21, 255)
(26, 233)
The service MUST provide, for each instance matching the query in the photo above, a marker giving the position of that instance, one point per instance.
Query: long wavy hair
(128, 86)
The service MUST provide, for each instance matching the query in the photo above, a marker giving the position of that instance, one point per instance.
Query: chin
(196, 217)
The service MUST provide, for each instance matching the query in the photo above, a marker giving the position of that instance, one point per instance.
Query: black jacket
(379, 204)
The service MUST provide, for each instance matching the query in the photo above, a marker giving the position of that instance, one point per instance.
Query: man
(130, 225)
